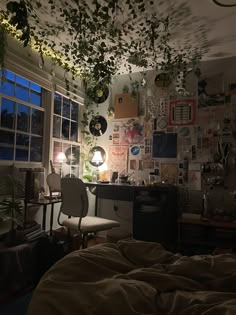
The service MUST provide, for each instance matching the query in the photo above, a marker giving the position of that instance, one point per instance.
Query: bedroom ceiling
(193, 23)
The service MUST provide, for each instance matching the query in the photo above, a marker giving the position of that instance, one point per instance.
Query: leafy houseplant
(95, 37)
(11, 208)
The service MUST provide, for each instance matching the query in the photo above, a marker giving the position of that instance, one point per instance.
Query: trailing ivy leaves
(93, 38)
(3, 43)
(19, 19)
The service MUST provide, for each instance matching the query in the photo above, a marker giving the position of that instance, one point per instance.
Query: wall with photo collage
(202, 118)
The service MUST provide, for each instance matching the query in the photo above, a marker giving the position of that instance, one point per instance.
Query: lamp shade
(97, 158)
(61, 157)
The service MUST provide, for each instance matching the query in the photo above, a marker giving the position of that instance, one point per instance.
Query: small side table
(45, 203)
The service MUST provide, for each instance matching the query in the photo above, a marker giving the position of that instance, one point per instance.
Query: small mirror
(97, 156)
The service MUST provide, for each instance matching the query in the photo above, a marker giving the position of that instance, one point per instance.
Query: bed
(136, 277)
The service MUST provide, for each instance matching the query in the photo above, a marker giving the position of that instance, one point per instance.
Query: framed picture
(182, 112)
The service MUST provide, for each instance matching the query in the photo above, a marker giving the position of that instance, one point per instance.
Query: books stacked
(33, 232)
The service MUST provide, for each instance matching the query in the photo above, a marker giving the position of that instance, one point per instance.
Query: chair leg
(68, 240)
(85, 240)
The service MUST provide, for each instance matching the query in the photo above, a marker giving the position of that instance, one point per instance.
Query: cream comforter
(134, 277)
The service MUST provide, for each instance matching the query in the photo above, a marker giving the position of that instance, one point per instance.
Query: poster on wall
(148, 164)
(131, 132)
(134, 152)
(169, 173)
(211, 90)
(118, 158)
(182, 112)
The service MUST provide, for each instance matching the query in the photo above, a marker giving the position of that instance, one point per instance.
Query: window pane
(37, 122)
(36, 149)
(56, 127)
(75, 155)
(74, 111)
(22, 81)
(57, 147)
(22, 93)
(57, 104)
(65, 128)
(35, 98)
(7, 88)
(6, 145)
(23, 118)
(73, 131)
(66, 108)
(35, 87)
(9, 75)
(7, 114)
(22, 147)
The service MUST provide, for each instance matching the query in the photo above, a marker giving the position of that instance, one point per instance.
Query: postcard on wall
(116, 138)
(133, 165)
(116, 127)
(194, 180)
(118, 158)
(194, 166)
(148, 164)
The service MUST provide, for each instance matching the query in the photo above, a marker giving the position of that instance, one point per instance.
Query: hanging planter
(163, 80)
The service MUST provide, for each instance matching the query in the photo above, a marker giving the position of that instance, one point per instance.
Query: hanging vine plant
(93, 39)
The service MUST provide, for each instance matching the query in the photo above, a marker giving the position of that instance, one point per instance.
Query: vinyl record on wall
(99, 93)
(98, 126)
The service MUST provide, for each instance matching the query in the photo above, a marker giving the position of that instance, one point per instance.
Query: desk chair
(75, 206)
(54, 181)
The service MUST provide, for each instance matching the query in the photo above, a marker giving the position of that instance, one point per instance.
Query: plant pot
(162, 80)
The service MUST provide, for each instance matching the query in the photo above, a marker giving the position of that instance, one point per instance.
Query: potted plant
(11, 208)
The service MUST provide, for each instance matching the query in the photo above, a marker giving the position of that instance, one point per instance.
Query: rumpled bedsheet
(136, 277)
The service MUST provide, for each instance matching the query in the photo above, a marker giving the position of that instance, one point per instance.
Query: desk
(111, 191)
(155, 209)
(45, 203)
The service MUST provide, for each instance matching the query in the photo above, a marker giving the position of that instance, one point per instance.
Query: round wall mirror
(97, 156)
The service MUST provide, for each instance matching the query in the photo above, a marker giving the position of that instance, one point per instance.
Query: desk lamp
(97, 160)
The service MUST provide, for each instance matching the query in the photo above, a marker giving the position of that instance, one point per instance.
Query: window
(65, 120)
(21, 119)
(65, 133)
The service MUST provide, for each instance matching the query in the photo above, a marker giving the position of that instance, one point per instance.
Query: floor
(19, 305)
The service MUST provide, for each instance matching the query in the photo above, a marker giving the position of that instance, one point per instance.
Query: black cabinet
(196, 236)
(155, 215)
(155, 209)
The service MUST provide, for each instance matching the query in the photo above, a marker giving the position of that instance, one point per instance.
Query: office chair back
(54, 181)
(74, 197)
